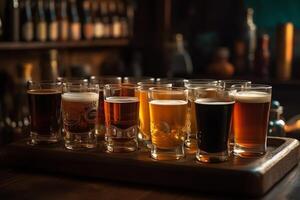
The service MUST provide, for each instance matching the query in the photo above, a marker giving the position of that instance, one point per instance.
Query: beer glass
(144, 115)
(121, 108)
(213, 115)
(45, 111)
(192, 85)
(135, 80)
(168, 118)
(176, 82)
(227, 84)
(251, 119)
(79, 106)
(100, 120)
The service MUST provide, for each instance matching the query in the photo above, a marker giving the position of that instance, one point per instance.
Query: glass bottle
(115, 19)
(123, 20)
(262, 57)
(12, 22)
(88, 25)
(40, 24)
(105, 19)
(98, 24)
(63, 21)
(75, 25)
(52, 22)
(27, 29)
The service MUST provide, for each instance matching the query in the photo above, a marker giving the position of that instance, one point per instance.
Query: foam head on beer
(81, 97)
(253, 97)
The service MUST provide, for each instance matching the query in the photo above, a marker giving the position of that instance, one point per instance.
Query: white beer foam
(209, 101)
(80, 96)
(121, 99)
(168, 102)
(253, 97)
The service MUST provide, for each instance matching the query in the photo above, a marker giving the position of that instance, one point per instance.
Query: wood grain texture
(238, 176)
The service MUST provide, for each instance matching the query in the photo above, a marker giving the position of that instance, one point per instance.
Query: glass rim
(118, 85)
(108, 77)
(252, 86)
(200, 80)
(234, 80)
(157, 89)
(44, 82)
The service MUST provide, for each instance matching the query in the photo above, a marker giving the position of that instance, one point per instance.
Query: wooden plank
(239, 176)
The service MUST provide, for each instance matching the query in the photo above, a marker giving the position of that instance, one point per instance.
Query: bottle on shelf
(98, 23)
(63, 21)
(123, 20)
(247, 35)
(52, 21)
(180, 60)
(49, 65)
(27, 26)
(12, 20)
(105, 19)
(40, 23)
(75, 25)
(114, 18)
(262, 57)
(87, 20)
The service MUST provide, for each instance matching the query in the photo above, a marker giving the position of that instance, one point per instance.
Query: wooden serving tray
(240, 176)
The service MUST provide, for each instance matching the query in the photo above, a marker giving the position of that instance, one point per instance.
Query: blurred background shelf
(13, 46)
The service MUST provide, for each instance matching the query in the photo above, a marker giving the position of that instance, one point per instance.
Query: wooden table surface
(29, 185)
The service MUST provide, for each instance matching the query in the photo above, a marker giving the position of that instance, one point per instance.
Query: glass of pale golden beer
(251, 118)
(79, 110)
(100, 120)
(213, 116)
(191, 85)
(121, 108)
(44, 100)
(144, 114)
(168, 118)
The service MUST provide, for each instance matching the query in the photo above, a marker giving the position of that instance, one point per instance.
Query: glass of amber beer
(121, 108)
(191, 85)
(168, 118)
(79, 109)
(144, 113)
(100, 120)
(213, 114)
(251, 118)
(45, 111)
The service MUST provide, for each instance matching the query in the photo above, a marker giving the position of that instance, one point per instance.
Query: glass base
(206, 157)
(144, 143)
(78, 141)
(121, 146)
(251, 151)
(36, 138)
(191, 143)
(121, 140)
(167, 154)
(100, 133)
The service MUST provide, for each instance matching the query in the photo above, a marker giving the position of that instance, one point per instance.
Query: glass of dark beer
(192, 85)
(45, 111)
(121, 108)
(168, 119)
(251, 119)
(79, 110)
(213, 116)
(227, 84)
(100, 120)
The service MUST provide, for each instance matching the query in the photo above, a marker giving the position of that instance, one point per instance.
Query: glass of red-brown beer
(121, 108)
(250, 119)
